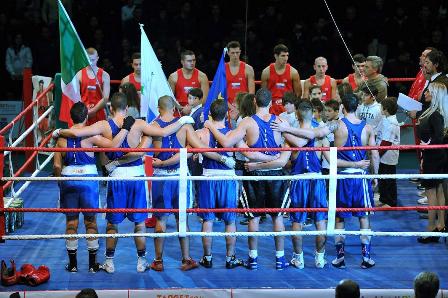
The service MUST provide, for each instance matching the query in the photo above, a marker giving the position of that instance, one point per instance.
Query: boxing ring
(397, 254)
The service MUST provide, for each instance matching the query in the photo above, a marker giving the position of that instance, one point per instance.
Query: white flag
(153, 80)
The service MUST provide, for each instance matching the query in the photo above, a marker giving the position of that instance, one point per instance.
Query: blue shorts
(165, 195)
(308, 194)
(218, 194)
(79, 194)
(354, 193)
(126, 194)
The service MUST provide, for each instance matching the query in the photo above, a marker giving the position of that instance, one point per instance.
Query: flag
(153, 80)
(219, 85)
(73, 58)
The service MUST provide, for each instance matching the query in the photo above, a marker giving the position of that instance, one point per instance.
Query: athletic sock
(365, 249)
(110, 253)
(340, 252)
(253, 253)
(279, 253)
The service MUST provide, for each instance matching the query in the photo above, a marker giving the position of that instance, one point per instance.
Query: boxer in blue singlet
(349, 132)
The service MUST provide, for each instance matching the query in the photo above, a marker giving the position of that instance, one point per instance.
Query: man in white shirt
(370, 109)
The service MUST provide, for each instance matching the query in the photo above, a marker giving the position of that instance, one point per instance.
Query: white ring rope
(222, 178)
(224, 234)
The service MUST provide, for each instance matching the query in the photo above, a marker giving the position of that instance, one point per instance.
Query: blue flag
(219, 85)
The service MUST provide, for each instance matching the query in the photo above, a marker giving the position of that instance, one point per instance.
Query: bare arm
(275, 164)
(195, 142)
(297, 87)
(157, 131)
(255, 155)
(265, 77)
(57, 158)
(318, 132)
(306, 89)
(374, 155)
(106, 92)
(145, 142)
(250, 79)
(158, 163)
(295, 141)
(87, 131)
(204, 84)
(103, 142)
(230, 139)
(334, 90)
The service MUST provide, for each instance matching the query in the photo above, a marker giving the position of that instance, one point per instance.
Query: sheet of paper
(408, 103)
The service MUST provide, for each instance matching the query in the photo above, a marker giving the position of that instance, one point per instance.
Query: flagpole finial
(141, 25)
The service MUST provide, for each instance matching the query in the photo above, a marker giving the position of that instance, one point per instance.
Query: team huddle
(272, 117)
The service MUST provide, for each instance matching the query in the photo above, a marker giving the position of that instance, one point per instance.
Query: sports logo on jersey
(187, 88)
(91, 87)
(280, 85)
(236, 85)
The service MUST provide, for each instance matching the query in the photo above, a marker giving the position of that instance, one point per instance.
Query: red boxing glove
(9, 275)
(39, 276)
(25, 271)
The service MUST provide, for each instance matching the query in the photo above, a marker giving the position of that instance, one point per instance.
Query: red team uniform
(137, 85)
(91, 94)
(183, 85)
(418, 86)
(278, 84)
(236, 83)
(325, 88)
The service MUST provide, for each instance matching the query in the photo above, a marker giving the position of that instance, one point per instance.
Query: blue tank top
(353, 140)
(307, 161)
(170, 141)
(116, 155)
(77, 158)
(266, 135)
(208, 163)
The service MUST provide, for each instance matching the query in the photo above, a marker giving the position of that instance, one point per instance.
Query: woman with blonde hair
(431, 127)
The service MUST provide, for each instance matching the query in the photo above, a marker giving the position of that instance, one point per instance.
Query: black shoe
(234, 262)
(420, 187)
(429, 239)
(367, 263)
(95, 268)
(71, 268)
(338, 263)
(207, 264)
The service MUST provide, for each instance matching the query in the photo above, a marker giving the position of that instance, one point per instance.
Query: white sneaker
(319, 259)
(297, 261)
(108, 265)
(423, 201)
(421, 194)
(142, 264)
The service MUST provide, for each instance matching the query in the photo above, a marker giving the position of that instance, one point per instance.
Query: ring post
(2, 203)
(332, 191)
(183, 183)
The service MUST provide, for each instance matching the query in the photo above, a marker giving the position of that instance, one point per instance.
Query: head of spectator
(318, 108)
(373, 67)
(320, 66)
(424, 54)
(436, 94)
(234, 52)
(315, 92)
(87, 293)
(389, 106)
(332, 109)
(435, 62)
(305, 111)
(344, 88)
(137, 63)
(281, 54)
(359, 65)
(263, 98)
(350, 103)
(369, 94)
(288, 102)
(347, 288)
(247, 107)
(426, 285)
(93, 56)
(131, 93)
(188, 60)
(195, 97)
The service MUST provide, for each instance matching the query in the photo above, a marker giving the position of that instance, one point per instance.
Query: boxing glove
(186, 120)
(9, 275)
(39, 276)
(128, 122)
(110, 167)
(228, 161)
(24, 272)
(55, 133)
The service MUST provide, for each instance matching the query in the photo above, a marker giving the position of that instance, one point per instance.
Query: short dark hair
(350, 103)
(426, 285)
(136, 55)
(247, 106)
(347, 288)
(133, 99)
(370, 89)
(218, 109)
(87, 293)
(344, 88)
(196, 92)
(288, 97)
(280, 48)
(312, 87)
(333, 104)
(78, 112)
(360, 58)
(317, 104)
(437, 57)
(390, 105)
(305, 110)
(119, 101)
(186, 53)
(233, 44)
(431, 48)
(263, 97)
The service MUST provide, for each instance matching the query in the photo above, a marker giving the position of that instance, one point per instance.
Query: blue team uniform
(310, 193)
(217, 194)
(198, 124)
(265, 194)
(79, 194)
(126, 194)
(165, 194)
(353, 193)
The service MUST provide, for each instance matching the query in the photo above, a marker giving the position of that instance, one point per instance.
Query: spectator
(18, 57)
(370, 109)
(87, 293)
(372, 70)
(426, 285)
(133, 99)
(347, 288)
